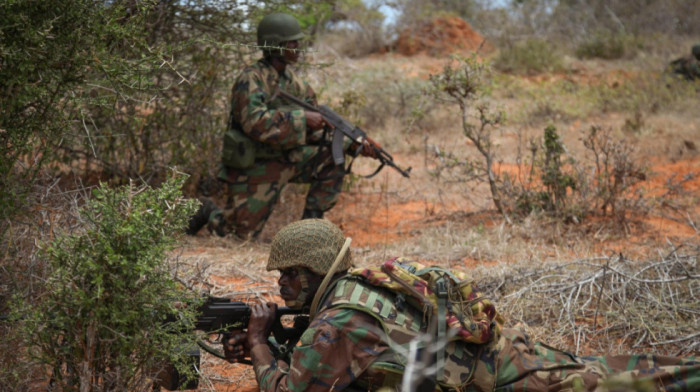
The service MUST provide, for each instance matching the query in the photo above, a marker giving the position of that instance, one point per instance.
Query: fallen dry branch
(609, 304)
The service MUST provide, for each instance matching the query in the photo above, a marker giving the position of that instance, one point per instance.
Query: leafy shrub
(556, 182)
(100, 324)
(356, 28)
(530, 57)
(607, 45)
(404, 99)
(599, 183)
(48, 50)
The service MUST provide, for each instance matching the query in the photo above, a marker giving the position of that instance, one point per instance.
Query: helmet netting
(310, 243)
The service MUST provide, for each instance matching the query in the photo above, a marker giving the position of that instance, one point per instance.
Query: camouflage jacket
(333, 353)
(260, 114)
(686, 67)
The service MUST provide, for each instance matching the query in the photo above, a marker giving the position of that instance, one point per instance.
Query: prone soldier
(688, 67)
(359, 331)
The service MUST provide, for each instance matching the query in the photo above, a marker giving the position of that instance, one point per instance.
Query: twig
(600, 294)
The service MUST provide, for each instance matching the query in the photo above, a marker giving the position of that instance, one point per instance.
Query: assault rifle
(342, 128)
(221, 316)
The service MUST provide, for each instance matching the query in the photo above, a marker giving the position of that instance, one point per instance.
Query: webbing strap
(441, 292)
(372, 299)
(440, 270)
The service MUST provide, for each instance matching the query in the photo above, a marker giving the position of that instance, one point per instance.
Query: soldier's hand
(314, 120)
(262, 316)
(236, 346)
(369, 147)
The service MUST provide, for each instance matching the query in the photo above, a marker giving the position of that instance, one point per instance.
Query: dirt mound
(442, 35)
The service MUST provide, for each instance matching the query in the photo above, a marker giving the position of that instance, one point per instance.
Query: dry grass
(606, 305)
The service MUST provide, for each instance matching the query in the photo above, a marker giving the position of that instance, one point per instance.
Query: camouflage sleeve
(309, 96)
(307, 92)
(520, 365)
(338, 346)
(276, 126)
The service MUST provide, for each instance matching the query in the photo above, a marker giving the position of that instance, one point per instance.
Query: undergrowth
(608, 45)
(567, 98)
(97, 319)
(530, 57)
(606, 305)
(548, 180)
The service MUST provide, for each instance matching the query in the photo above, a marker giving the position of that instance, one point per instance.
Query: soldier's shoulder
(680, 60)
(255, 69)
(344, 316)
(296, 76)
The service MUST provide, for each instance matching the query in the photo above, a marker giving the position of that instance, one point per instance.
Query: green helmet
(310, 243)
(696, 51)
(277, 28)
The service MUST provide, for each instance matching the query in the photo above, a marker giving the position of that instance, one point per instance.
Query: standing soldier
(689, 66)
(363, 326)
(270, 143)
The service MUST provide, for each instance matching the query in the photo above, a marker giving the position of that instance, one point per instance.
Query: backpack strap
(438, 324)
(441, 270)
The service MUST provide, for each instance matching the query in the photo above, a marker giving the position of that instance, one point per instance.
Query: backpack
(448, 295)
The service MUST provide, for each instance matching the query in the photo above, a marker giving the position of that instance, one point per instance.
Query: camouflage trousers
(252, 193)
(521, 366)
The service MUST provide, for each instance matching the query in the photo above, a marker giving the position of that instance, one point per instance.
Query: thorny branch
(634, 304)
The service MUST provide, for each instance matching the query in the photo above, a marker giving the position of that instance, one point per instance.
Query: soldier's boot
(217, 223)
(312, 214)
(201, 217)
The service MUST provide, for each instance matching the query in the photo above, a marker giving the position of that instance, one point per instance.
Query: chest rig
(411, 346)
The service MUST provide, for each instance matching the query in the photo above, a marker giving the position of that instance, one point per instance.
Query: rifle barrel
(298, 101)
(384, 157)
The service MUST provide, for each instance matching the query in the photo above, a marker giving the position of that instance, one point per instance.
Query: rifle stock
(343, 128)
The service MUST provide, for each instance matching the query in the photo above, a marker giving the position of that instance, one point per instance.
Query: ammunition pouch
(240, 151)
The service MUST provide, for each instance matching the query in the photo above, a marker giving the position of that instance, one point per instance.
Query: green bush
(101, 323)
(607, 45)
(530, 57)
(47, 50)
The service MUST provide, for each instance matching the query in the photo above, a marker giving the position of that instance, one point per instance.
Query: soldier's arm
(281, 127)
(314, 128)
(338, 347)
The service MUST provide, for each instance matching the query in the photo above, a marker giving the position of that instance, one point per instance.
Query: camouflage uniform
(285, 151)
(356, 340)
(688, 67)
